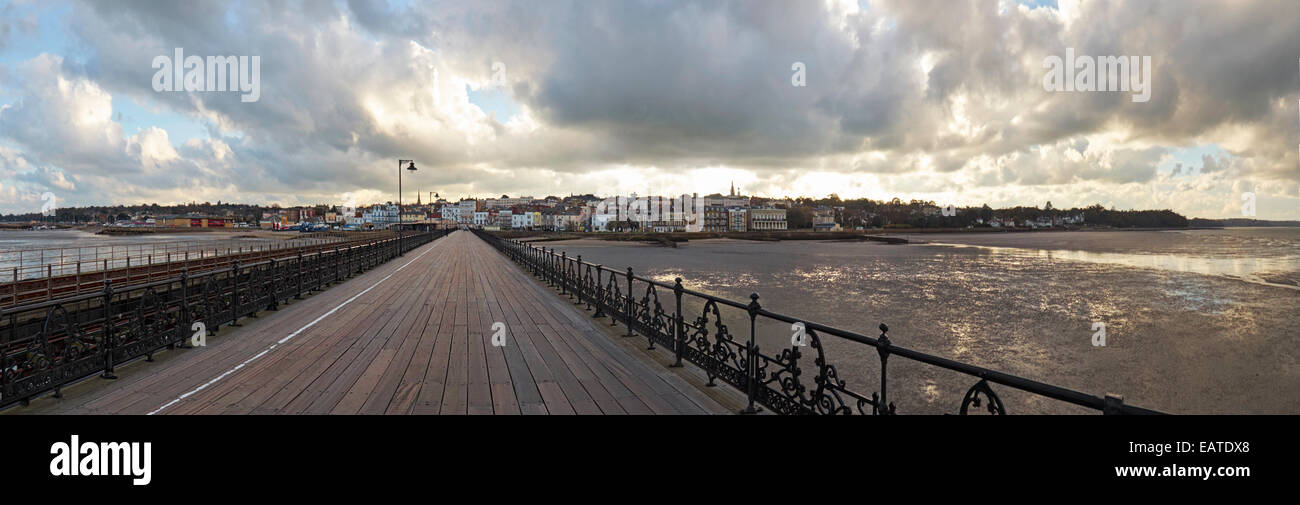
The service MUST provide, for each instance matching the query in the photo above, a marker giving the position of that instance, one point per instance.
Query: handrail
(773, 381)
(48, 344)
(51, 280)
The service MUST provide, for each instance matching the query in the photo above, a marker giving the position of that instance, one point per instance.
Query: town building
(824, 220)
(412, 216)
(727, 201)
(451, 213)
(736, 219)
(508, 202)
(522, 220)
(197, 222)
(766, 219)
(715, 218)
(380, 216)
(602, 222)
(505, 219)
(569, 221)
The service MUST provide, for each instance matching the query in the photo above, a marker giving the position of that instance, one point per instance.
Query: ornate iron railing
(778, 381)
(47, 345)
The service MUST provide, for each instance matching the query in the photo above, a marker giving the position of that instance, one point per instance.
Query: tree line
(927, 214)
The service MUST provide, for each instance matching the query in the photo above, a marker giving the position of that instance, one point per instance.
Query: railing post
(600, 290)
(580, 285)
(551, 270)
(564, 270)
(751, 358)
(300, 271)
(629, 302)
(234, 294)
(275, 300)
(679, 330)
(108, 331)
(884, 407)
(185, 321)
(1114, 404)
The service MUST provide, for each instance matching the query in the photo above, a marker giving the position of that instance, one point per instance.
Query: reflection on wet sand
(1185, 334)
(1249, 269)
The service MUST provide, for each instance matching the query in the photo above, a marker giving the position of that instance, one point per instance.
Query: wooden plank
(404, 345)
(504, 400)
(429, 400)
(411, 382)
(586, 398)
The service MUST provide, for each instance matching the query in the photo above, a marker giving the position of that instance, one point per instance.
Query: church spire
(733, 188)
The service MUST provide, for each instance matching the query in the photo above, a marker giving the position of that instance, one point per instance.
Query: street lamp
(410, 167)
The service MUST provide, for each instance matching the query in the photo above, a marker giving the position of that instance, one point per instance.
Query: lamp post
(410, 167)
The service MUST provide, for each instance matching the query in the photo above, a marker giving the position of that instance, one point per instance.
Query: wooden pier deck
(410, 337)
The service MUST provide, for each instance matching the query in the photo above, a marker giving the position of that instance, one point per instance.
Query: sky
(937, 100)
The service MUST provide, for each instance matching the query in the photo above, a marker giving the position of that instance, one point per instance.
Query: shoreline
(891, 236)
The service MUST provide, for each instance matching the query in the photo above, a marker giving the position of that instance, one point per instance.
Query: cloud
(63, 118)
(918, 97)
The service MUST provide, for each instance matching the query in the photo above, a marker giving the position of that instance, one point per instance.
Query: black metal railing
(47, 345)
(62, 272)
(775, 381)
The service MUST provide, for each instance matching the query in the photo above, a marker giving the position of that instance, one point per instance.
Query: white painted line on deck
(286, 339)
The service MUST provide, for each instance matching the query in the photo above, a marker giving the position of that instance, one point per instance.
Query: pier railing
(31, 274)
(48, 344)
(799, 379)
